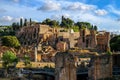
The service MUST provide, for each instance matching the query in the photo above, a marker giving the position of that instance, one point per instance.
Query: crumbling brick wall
(65, 66)
(100, 67)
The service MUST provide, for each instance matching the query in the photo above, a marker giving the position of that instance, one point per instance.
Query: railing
(116, 71)
(39, 71)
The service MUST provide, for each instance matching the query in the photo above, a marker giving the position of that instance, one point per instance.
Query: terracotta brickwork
(37, 34)
(31, 35)
(100, 67)
(103, 39)
(87, 39)
(92, 39)
(65, 66)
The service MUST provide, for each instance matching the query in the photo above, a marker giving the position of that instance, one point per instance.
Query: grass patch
(4, 78)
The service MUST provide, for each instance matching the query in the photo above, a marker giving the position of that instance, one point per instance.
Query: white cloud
(103, 23)
(75, 10)
(113, 10)
(56, 17)
(8, 20)
(66, 15)
(101, 12)
(80, 6)
(50, 6)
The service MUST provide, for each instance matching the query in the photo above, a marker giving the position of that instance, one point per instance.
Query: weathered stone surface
(62, 46)
(64, 66)
(44, 34)
(103, 39)
(100, 67)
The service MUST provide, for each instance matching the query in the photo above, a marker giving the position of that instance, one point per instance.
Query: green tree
(21, 22)
(95, 28)
(109, 52)
(115, 43)
(17, 24)
(25, 22)
(9, 59)
(66, 22)
(46, 21)
(54, 23)
(30, 21)
(14, 25)
(10, 41)
(83, 25)
(50, 22)
(79, 25)
(27, 60)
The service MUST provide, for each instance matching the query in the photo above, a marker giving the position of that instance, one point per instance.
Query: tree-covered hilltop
(69, 23)
(64, 23)
(115, 43)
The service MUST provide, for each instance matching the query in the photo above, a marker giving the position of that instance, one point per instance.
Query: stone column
(65, 66)
(35, 54)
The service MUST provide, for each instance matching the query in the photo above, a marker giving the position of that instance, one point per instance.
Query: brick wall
(101, 67)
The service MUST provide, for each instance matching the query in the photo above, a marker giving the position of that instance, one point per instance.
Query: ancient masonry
(38, 33)
(65, 66)
(95, 40)
(100, 67)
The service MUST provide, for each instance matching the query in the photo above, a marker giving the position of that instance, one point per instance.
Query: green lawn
(4, 78)
(34, 65)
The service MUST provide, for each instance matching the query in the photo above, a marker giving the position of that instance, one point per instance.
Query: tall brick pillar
(101, 67)
(65, 66)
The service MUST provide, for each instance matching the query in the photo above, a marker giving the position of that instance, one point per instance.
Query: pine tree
(95, 28)
(21, 22)
(30, 21)
(25, 22)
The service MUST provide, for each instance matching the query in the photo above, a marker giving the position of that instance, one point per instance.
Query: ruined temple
(94, 40)
(87, 39)
(32, 35)
(38, 35)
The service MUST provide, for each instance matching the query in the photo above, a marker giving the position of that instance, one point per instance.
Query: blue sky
(103, 13)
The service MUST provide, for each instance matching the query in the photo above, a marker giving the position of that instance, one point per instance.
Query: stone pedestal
(65, 66)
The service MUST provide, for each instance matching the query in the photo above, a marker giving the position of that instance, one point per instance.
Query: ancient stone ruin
(45, 35)
(65, 66)
(100, 67)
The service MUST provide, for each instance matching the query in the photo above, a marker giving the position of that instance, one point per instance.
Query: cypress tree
(21, 22)
(25, 22)
(95, 28)
(30, 21)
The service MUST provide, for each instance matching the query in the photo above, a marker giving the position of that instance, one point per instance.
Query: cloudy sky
(103, 13)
